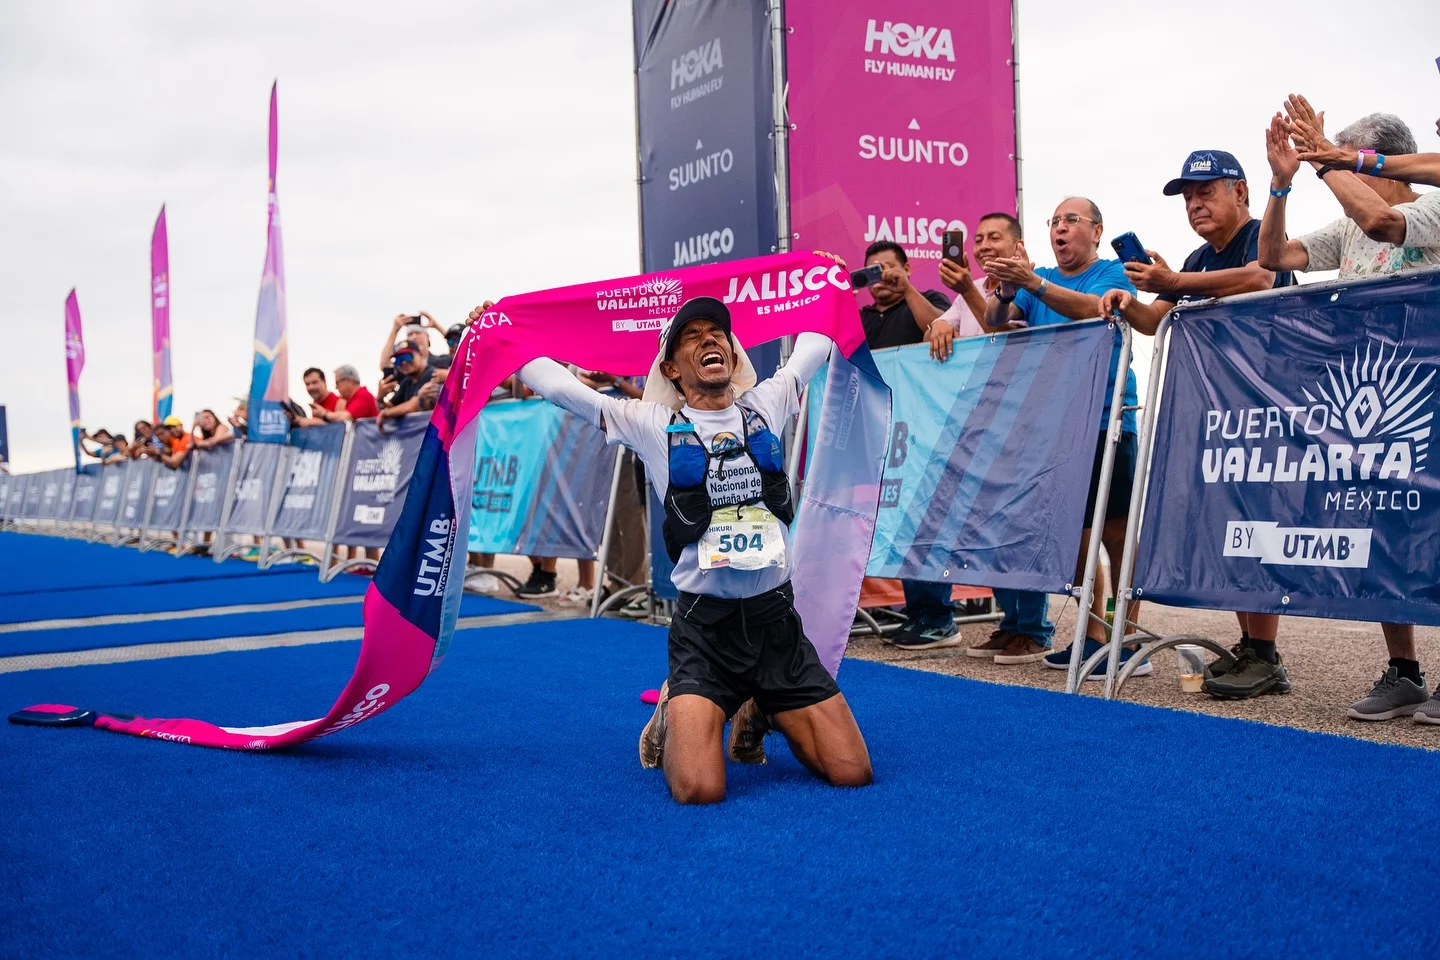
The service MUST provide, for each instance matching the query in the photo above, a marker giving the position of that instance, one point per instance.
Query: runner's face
(703, 360)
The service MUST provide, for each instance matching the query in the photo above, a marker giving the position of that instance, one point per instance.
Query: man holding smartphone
(1217, 204)
(1071, 290)
(900, 314)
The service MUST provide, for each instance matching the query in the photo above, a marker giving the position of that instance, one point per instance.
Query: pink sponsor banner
(903, 116)
(74, 364)
(162, 389)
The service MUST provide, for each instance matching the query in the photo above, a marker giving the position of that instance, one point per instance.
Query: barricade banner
(6, 482)
(167, 504)
(377, 479)
(67, 494)
(542, 482)
(1291, 469)
(49, 494)
(212, 476)
(249, 508)
(413, 603)
(990, 457)
(15, 499)
(34, 490)
(87, 482)
(310, 486)
(107, 500)
(903, 119)
(137, 489)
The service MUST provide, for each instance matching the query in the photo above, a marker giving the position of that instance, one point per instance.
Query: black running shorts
(1122, 481)
(728, 651)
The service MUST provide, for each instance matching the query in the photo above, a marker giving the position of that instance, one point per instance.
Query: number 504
(739, 543)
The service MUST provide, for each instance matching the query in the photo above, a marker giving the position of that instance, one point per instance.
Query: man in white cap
(709, 437)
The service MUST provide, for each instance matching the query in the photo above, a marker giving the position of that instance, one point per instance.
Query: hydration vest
(688, 509)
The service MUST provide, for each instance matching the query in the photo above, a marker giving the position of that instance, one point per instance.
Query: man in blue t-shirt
(1217, 203)
(1071, 290)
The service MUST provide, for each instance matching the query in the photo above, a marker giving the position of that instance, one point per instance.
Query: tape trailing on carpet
(412, 605)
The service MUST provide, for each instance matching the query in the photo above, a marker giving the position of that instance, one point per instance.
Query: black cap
(455, 332)
(696, 308)
(1205, 165)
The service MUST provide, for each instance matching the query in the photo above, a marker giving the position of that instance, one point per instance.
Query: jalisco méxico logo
(704, 246)
(905, 45)
(921, 233)
(913, 149)
(692, 66)
(1365, 430)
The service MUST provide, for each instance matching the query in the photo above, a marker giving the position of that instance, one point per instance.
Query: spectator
(106, 448)
(1217, 203)
(899, 316)
(1026, 633)
(208, 432)
(146, 443)
(119, 450)
(413, 370)
(355, 402)
(322, 399)
(177, 442)
(1387, 228)
(1406, 167)
(237, 420)
(1071, 290)
(407, 328)
(996, 235)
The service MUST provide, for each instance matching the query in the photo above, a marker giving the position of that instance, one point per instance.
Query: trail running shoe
(1429, 711)
(747, 734)
(1249, 676)
(1224, 664)
(482, 583)
(652, 738)
(540, 584)
(1392, 696)
(987, 650)
(927, 639)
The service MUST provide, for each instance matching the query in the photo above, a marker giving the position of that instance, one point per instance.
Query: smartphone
(387, 373)
(1129, 249)
(860, 279)
(952, 246)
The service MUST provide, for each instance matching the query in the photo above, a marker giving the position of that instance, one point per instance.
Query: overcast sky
(455, 151)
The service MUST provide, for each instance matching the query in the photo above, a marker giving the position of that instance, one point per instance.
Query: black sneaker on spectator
(637, 609)
(1249, 676)
(1392, 696)
(540, 584)
(928, 638)
(987, 650)
(1223, 664)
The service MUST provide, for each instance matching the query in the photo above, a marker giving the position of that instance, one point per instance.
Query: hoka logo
(903, 40)
(694, 64)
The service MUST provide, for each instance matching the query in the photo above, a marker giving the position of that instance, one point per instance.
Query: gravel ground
(1331, 663)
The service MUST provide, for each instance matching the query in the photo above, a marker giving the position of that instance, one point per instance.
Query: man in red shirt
(356, 403)
(321, 396)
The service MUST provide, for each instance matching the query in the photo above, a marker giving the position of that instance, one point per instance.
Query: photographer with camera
(401, 387)
(412, 327)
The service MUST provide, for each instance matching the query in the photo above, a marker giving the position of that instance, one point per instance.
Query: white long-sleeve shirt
(641, 426)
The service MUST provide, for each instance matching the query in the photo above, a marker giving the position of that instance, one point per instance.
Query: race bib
(747, 538)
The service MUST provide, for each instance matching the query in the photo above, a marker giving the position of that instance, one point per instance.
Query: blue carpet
(501, 811)
(31, 563)
(187, 595)
(214, 626)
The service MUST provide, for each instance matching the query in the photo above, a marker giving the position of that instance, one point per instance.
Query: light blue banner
(990, 457)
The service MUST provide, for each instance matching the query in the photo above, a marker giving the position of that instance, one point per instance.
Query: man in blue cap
(1217, 202)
